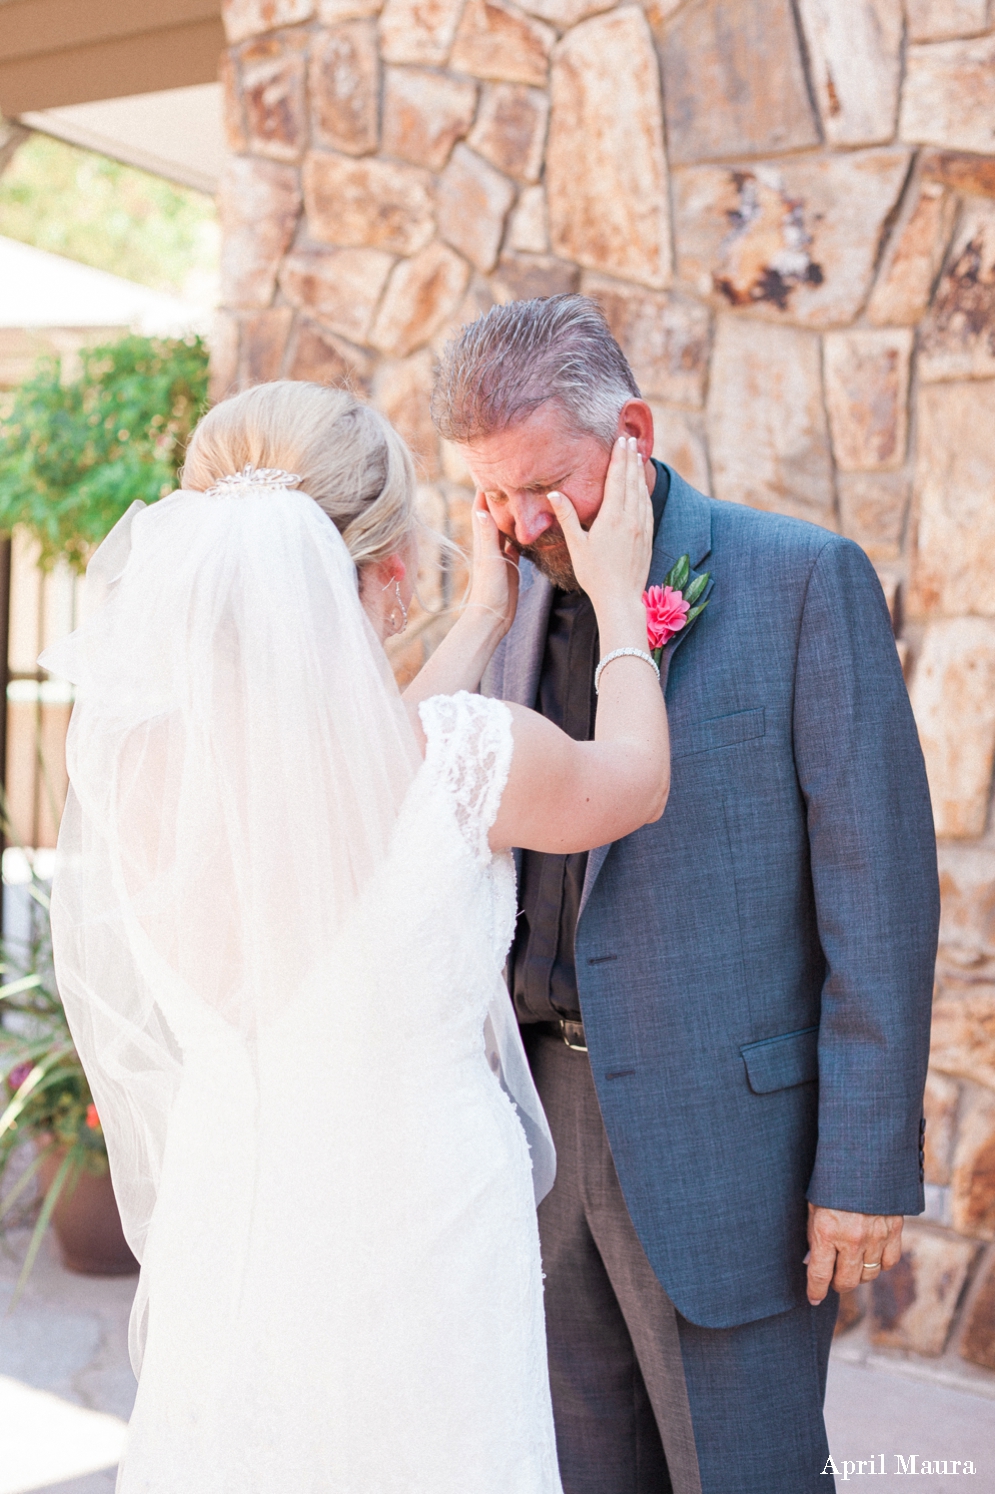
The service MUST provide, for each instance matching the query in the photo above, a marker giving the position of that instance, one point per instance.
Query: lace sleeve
(469, 745)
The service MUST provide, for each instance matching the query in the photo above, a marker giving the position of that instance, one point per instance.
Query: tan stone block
(855, 49)
(367, 203)
(331, 12)
(273, 96)
(949, 95)
(259, 203)
(263, 344)
(793, 240)
(510, 131)
(891, 585)
(319, 357)
(976, 1342)
(344, 77)
(659, 12)
(232, 114)
(912, 1305)
(224, 340)
(940, 1104)
(524, 277)
(666, 338)
(340, 288)
(418, 31)
(734, 87)
(243, 18)
(972, 176)
(606, 173)
(528, 232)
(424, 114)
(958, 336)
(473, 202)
(939, 20)
(852, 1310)
(873, 509)
(497, 40)
(972, 1179)
(953, 696)
(963, 1032)
(566, 13)
(679, 440)
(476, 303)
(402, 390)
(967, 893)
(767, 432)
(955, 489)
(420, 294)
(913, 256)
(454, 468)
(867, 397)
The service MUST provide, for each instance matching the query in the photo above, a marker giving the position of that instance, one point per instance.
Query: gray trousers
(644, 1401)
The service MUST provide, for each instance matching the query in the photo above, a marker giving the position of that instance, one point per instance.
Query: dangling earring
(394, 626)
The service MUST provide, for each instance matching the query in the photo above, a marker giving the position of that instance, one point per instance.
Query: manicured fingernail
(482, 515)
(555, 496)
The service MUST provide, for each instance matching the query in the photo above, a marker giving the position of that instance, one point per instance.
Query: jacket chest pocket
(719, 731)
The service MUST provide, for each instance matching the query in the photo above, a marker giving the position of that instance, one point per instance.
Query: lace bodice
(469, 747)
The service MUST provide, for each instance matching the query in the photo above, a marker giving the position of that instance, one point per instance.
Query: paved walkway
(66, 1391)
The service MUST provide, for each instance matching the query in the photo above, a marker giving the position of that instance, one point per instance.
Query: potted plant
(48, 1105)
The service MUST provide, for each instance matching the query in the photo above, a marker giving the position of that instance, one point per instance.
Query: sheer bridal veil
(238, 755)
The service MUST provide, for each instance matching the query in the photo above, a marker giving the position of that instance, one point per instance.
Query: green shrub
(75, 454)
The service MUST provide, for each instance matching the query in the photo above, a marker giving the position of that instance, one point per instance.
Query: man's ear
(636, 419)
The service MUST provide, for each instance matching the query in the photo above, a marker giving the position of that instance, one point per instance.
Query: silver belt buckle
(573, 1035)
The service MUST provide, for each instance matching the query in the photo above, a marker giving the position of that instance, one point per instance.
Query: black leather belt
(572, 1032)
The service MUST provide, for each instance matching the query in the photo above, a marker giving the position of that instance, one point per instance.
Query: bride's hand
(494, 570)
(611, 560)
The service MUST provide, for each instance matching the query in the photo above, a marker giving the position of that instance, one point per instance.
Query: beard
(551, 557)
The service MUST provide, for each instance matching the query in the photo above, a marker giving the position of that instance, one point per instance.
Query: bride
(281, 910)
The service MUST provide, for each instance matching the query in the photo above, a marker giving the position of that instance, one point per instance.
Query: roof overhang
(55, 53)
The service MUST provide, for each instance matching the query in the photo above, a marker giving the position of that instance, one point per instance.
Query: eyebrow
(532, 487)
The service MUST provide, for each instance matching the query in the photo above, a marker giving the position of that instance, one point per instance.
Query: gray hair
(503, 366)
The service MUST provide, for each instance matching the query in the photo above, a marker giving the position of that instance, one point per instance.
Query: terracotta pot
(87, 1223)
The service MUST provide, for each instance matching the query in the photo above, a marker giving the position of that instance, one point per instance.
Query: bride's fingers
(566, 515)
(635, 486)
(616, 480)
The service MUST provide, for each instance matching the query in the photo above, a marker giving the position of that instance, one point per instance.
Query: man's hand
(846, 1249)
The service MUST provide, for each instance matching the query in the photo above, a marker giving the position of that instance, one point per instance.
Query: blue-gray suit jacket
(755, 969)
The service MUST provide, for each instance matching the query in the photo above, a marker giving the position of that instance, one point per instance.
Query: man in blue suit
(727, 1012)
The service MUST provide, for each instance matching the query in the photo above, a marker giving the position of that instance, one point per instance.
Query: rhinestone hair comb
(253, 477)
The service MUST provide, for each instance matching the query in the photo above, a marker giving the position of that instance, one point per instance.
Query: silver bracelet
(623, 653)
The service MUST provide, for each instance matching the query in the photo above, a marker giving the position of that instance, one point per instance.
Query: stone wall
(788, 213)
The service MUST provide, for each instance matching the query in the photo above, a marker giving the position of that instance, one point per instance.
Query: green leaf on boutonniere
(696, 588)
(677, 576)
(695, 612)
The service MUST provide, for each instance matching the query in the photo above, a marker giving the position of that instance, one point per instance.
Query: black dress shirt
(543, 976)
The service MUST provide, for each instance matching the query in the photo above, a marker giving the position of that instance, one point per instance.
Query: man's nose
(531, 515)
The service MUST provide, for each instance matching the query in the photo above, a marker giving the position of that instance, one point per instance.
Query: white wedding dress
(280, 938)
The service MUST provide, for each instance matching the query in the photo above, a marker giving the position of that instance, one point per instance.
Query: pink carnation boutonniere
(674, 605)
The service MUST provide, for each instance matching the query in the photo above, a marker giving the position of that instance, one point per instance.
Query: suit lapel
(523, 658)
(686, 530)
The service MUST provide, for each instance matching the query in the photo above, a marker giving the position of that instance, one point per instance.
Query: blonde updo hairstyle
(350, 459)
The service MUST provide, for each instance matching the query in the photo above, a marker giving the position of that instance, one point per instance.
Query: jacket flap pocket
(720, 731)
(780, 1062)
